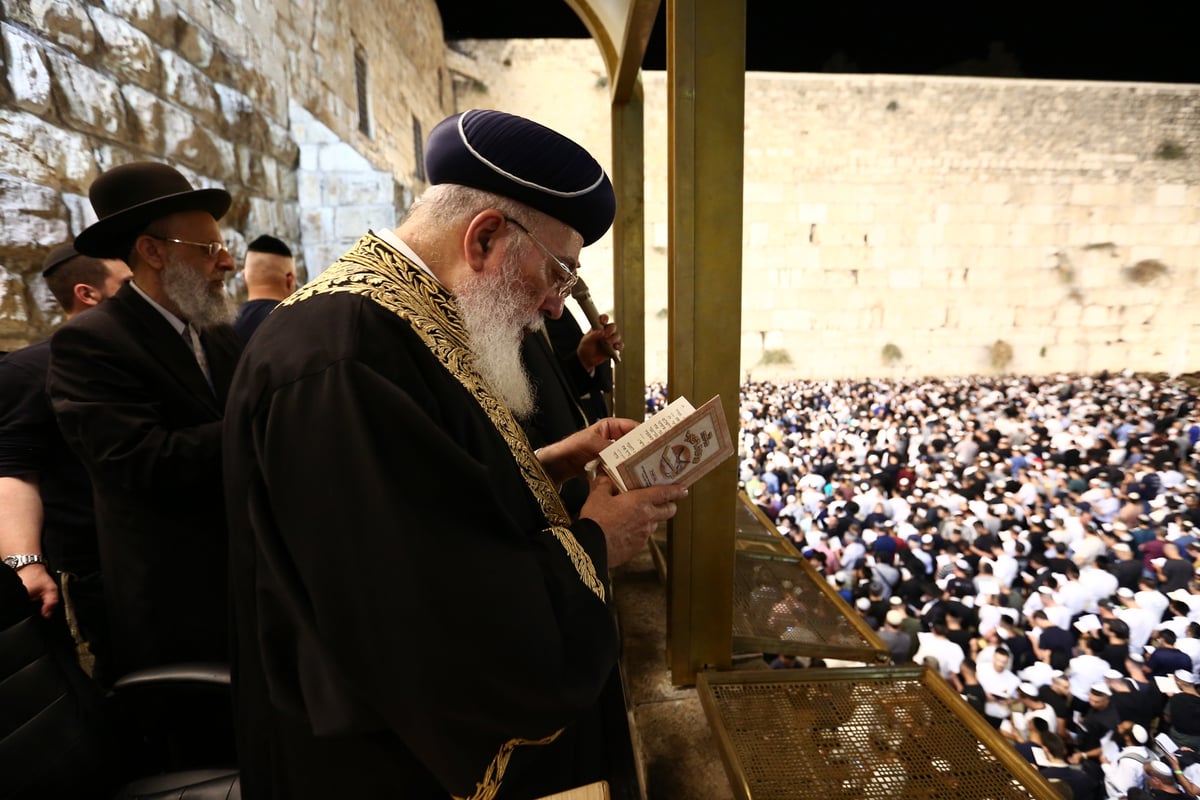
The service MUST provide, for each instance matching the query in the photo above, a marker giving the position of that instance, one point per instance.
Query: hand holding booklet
(679, 444)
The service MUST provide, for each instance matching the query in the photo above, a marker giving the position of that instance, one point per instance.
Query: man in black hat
(138, 387)
(367, 407)
(47, 530)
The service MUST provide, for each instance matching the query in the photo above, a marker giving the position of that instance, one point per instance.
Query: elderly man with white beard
(138, 385)
(416, 615)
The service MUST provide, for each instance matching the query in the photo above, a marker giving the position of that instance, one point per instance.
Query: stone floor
(677, 753)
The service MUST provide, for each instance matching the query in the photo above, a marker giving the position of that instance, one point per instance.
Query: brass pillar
(629, 251)
(706, 110)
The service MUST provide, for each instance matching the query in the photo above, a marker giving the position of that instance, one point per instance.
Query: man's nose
(554, 304)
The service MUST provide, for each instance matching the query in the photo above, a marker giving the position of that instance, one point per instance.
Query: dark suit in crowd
(133, 403)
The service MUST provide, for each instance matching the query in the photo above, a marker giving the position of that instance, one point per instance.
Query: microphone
(583, 297)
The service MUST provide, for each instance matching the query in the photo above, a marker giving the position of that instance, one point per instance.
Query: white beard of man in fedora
(195, 283)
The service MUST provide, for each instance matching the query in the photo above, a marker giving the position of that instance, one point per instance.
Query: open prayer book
(1166, 684)
(679, 444)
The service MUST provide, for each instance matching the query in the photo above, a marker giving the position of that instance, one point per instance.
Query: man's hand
(40, 586)
(628, 518)
(568, 458)
(591, 350)
(21, 532)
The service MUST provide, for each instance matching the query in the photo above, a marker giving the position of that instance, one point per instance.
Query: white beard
(490, 310)
(200, 304)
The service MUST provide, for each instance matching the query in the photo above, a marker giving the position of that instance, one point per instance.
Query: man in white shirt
(948, 655)
(1141, 621)
(1127, 770)
(999, 684)
(1099, 584)
(1086, 669)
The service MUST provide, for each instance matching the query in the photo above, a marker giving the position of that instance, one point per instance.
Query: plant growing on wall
(891, 354)
(777, 356)
(1169, 150)
(1146, 271)
(1000, 354)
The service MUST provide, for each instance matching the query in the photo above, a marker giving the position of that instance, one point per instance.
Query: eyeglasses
(213, 248)
(564, 284)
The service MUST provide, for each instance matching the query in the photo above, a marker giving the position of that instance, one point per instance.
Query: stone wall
(955, 219)
(208, 86)
(893, 225)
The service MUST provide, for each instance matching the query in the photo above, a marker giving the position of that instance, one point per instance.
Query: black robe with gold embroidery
(415, 615)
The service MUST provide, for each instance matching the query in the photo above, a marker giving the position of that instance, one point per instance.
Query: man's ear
(480, 239)
(85, 295)
(290, 280)
(150, 251)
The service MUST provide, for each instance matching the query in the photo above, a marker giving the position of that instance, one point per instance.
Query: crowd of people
(1034, 540)
(283, 496)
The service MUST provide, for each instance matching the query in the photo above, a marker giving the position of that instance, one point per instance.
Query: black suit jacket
(132, 402)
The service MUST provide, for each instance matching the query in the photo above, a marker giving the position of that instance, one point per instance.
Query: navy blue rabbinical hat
(129, 197)
(527, 162)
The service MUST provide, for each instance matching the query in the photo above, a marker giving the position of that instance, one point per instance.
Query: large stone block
(128, 53)
(352, 222)
(43, 153)
(250, 169)
(283, 146)
(192, 41)
(156, 18)
(188, 86)
(145, 117)
(192, 144)
(266, 216)
(270, 186)
(231, 70)
(341, 157)
(14, 307)
(62, 22)
(28, 75)
(80, 213)
(229, 29)
(359, 188)
(32, 218)
(88, 101)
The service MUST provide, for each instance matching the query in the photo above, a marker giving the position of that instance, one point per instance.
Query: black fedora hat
(128, 198)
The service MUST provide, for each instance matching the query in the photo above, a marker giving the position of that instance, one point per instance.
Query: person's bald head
(269, 269)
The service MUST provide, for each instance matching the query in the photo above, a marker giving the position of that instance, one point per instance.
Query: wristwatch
(23, 560)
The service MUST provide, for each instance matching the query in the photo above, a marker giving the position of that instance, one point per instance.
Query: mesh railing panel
(777, 599)
(863, 737)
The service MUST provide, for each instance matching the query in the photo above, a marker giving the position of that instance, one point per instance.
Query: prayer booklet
(1166, 743)
(1088, 622)
(679, 444)
(1166, 684)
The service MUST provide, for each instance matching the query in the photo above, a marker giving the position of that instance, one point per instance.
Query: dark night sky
(1148, 41)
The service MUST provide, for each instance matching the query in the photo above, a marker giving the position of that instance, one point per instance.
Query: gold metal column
(706, 109)
(629, 251)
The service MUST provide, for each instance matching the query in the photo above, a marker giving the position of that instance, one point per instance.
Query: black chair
(160, 733)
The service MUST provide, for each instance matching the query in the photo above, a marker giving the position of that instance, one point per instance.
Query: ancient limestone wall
(208, 86)
(893, 225)
(900, 225)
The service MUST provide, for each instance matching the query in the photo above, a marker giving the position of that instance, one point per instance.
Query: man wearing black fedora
(139, 389)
